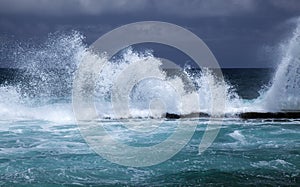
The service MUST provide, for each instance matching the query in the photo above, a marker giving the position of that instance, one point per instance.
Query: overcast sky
(241, 33)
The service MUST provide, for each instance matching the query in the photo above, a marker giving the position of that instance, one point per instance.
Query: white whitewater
(46, 95)
(284, 94)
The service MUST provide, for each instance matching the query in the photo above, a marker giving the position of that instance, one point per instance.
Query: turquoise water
(35, 153)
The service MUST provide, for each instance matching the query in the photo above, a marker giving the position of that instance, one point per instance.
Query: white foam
(237, 135)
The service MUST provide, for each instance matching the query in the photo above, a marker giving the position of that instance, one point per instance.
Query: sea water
(41, 144)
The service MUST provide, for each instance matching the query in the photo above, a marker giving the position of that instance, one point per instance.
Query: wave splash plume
(284, 94)
(43, 85)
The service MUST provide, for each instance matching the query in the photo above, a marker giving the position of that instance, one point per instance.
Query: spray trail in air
(43, 85)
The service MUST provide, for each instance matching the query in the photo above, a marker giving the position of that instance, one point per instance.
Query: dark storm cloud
(186, 8)
(237, 31)
(100, 7)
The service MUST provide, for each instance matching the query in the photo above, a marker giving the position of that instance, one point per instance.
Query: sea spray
(43, 80)
(47, 69)
(44, 87)
(284, 94)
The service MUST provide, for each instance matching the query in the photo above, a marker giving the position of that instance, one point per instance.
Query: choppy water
(35, 152)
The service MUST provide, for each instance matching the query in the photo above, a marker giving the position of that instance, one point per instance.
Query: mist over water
(43, 85)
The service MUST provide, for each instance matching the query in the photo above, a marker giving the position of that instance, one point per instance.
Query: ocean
(41, 143)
